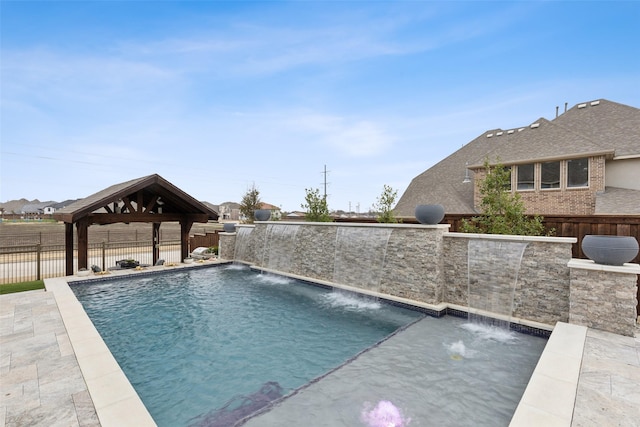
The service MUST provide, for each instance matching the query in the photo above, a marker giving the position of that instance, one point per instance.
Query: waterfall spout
(360, 255)
(242, 244)
(493, 267)
(279, 246)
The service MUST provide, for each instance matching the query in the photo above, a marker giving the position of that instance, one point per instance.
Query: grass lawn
(22, 286)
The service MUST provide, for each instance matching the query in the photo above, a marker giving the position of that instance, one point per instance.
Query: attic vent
(499, 133)
(510, 131)
(595, 103)
(582, 105)
(520, 130)
(535, 125)
(489, 135)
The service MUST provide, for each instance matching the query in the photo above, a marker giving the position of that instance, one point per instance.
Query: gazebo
(150, 199)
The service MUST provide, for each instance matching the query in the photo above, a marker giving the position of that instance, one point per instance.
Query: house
(229, 211)
(275, 210)
(585, 161)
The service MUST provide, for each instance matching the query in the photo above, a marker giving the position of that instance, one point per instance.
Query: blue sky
(218, 96)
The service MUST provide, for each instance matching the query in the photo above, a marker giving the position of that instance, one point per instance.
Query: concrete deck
(54, 372)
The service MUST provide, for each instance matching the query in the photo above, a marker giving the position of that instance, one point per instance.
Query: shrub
(503, 212)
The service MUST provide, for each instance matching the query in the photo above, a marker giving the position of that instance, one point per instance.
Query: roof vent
(535, 125)
(510, 131)
(520, 130)
(582, 105)
(489, 135)
(595, 103)
(499, 133)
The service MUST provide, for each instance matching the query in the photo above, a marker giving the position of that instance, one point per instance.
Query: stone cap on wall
(587, 264)
(511, 237)
(354, 224)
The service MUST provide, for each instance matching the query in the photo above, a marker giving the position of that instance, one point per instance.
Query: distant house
(229, 211)
(584, 162)
(36, 209)
(276, 214)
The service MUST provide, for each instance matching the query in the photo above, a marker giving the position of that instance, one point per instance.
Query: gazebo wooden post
(83, 243)
(156, 242)
(68, 248)
(185, 227)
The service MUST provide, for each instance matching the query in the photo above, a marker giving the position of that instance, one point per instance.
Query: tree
(384, 205)
(316, 206)
(250, 203)
(503, 212)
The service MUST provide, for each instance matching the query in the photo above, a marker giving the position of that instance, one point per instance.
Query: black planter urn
(429, 214)
(610, 250)
(262, 214)
(229, 227)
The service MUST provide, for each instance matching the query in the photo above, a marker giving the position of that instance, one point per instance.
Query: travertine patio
(42, 383)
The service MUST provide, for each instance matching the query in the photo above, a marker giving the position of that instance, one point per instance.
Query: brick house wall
(562, 201)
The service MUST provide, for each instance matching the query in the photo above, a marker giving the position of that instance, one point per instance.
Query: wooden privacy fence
(206, 240)
(576, 226)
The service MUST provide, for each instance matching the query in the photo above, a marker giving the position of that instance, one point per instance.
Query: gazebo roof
(147, 199)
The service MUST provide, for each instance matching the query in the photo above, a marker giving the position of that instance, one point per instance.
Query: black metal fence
(37, 261)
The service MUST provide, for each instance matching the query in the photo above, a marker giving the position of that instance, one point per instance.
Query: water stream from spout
(360, 255)
(493, 267)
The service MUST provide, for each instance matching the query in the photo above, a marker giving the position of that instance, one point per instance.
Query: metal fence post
(38, 259)
(104, 259)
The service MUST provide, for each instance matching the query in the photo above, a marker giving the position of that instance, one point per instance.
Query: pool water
(191, 341)
(436, 372)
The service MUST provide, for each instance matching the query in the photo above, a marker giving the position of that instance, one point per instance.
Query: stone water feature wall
(542, 288)
(429, 265)
(604, 296)
(411, 256)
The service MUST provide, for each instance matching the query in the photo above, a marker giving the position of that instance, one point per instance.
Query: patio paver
(40, 381)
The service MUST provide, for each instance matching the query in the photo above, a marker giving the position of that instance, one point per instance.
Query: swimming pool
(192, 340)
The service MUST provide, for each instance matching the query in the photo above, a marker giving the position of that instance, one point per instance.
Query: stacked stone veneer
(429, 265)
(542, 289)
(412, 259)
(604, 297)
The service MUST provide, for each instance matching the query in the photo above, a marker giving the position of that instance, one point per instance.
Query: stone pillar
(227, 246)
(603, 296)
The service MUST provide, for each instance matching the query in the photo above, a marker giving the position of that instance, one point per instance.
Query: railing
(58, 237)
(40, 261)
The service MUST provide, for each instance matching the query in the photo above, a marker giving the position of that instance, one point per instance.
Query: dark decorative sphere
(429, 214)
(229, 227)
(262, 214)
(610, 250)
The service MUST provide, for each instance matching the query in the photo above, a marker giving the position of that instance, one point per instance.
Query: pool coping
(118, 404)
(115, 400)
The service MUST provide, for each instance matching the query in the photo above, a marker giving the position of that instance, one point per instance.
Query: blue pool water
(191, 341)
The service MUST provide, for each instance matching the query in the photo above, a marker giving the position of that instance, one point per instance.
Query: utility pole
(325, 181)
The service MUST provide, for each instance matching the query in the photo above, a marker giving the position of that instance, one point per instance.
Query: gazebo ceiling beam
(139, 201)
(128, 205)
(112, 218)
(152, 203)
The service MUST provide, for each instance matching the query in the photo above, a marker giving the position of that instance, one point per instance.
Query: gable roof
(143, 195)
(269, 206)
(597, 127)
(541, 140)
(608, 124)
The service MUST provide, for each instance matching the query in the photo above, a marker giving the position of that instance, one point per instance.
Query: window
(578, 173)
(507, 184)
(525, 177)
(550, 178)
